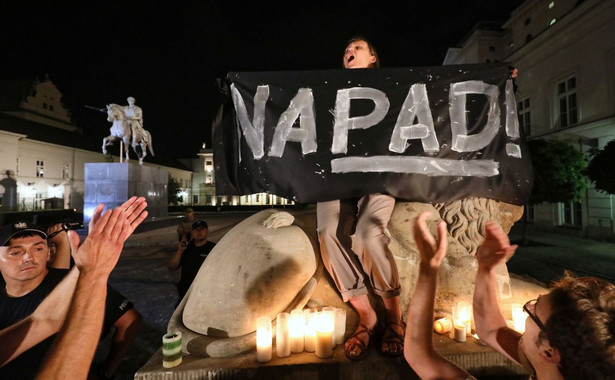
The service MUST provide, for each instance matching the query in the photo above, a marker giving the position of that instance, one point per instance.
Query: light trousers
(370, 251)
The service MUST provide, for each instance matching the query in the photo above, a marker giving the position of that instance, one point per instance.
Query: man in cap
(26, 281)
(190, 256)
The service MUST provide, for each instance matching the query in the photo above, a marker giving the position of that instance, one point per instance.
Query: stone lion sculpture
(270, 263)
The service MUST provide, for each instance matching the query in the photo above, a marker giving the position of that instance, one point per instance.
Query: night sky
(168, 54)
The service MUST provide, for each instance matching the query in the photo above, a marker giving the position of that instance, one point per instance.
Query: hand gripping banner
(426, 134)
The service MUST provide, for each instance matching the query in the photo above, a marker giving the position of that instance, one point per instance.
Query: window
(551, 4)
(40, 168)
(195, 199)
(572, 214)
(567, 98)
(523, 111)
(552, 21)
(209, 179)
(527, 21)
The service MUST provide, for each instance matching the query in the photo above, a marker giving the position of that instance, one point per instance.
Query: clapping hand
(496, 248)
(432, 250)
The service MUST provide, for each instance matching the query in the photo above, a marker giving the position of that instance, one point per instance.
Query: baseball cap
(14, 229)
(199, 224)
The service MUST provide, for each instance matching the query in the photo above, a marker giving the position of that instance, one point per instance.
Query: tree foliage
(558, 172)
(600, 170)
(173, 189)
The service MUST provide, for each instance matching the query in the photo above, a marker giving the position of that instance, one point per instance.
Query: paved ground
(142, 275)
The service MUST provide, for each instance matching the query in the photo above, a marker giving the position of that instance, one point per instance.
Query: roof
(44, 133)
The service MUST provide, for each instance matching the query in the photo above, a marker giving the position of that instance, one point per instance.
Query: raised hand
(432, 251)
(496, 248)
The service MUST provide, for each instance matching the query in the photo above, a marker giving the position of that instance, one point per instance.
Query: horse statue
(123, 129)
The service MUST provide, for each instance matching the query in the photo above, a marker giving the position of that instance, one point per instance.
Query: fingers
(420, 228)
(494, 231)
(442, 238)
(74, 240)
(96, 216)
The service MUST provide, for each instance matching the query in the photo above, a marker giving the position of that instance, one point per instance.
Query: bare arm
(490, 323)
(419, 352)
(74, 348)
(176, 259)
(45, 321)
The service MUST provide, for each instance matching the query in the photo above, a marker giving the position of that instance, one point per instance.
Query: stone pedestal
(477, 359)
(113, 183)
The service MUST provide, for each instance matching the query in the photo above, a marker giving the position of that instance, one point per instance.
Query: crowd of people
(55, 300)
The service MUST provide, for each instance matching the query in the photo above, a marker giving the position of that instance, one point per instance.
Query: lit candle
(442, 325)
(282, 335)
(519, 317)
(324, 333)
(297, 327)
(460, 332)
(263, 339)
(311, 318)
(340, 325)
(330, 311)
(462, 314)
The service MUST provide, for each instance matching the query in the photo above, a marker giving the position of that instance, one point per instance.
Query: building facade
(565, 53)
(44, 152)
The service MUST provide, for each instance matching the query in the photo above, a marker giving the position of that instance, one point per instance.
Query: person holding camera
(190, 255)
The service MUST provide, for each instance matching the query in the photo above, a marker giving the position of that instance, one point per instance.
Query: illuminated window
(567, 99)
(523, 111)
(40, 168)
(552, 21)
(551, 4)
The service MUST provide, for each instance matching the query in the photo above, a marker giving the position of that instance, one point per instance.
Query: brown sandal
(392, 337)
(354, 342)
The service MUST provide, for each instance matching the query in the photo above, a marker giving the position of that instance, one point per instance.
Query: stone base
(112, 183)
(477, 359)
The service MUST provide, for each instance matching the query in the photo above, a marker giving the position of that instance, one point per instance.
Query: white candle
(324, 334)
(263, 339)
(282, 335)
(311, 318)
(297, 327)
(442, 325)
(330, 311)
(519, 317)
(460, 332)
(462, 314)
(340, 325)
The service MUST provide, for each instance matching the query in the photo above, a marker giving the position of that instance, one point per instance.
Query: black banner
(428, 134)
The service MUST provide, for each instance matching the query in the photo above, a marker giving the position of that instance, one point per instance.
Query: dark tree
(173, 189)
(558, 172)
(600, 169)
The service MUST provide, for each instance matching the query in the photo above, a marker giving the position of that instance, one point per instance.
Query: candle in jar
(311, 318)
(340, 325)
(460, 332)
(462, 314)
(519, 317)
(282, 335)
(442, 325)
(297, 327)
(324, 334)
(263, 339)
(330, 311)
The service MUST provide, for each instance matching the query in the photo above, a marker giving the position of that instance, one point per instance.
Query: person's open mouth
(350, 58)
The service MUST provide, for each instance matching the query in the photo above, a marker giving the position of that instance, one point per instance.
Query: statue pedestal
(112, 183)
(477, 359)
